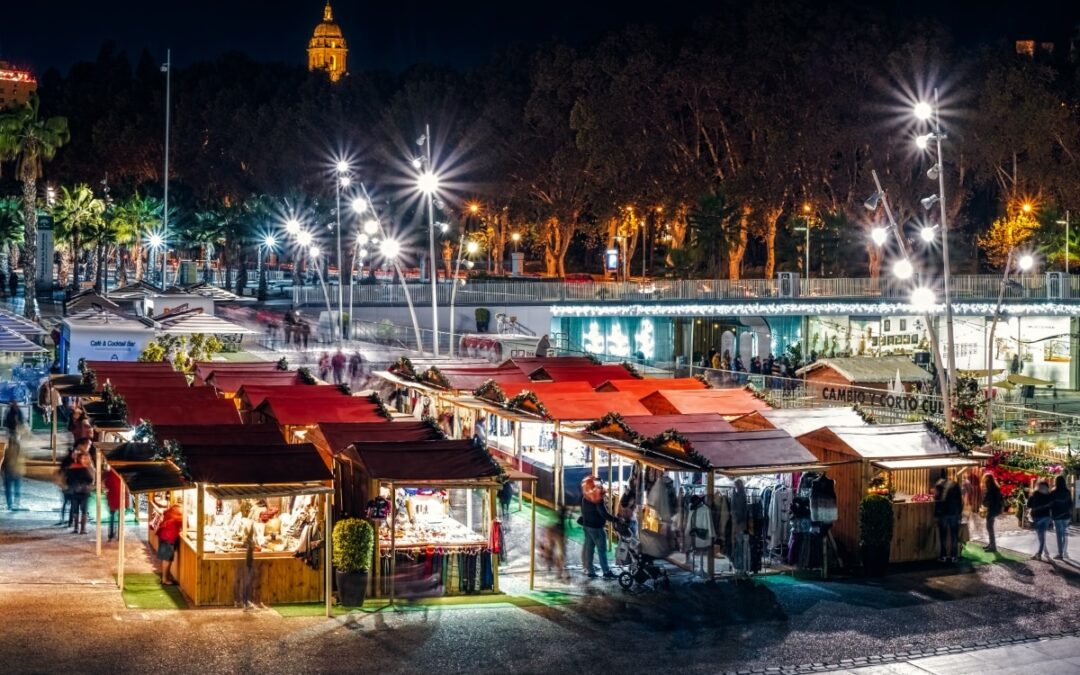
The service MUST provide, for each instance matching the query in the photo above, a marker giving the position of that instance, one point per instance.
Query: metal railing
(525, 292)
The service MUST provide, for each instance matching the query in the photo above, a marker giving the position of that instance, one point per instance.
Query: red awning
(651, 425)
(156, 379)
(462, 381)
(591, 406)
(340, 435)
(299, 411)
(728, 402)
(425, 461)
(252, 395)
(128, 366)
(527, 364)
(229, 434)
(649, 385)
(769, 449)
(172, 392)
(182, 411)
(203, 369)
(594, 375)
(542, 389)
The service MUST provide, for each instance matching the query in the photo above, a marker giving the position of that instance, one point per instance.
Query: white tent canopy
(197, 322)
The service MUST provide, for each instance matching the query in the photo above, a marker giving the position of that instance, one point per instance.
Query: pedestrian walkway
(1060, 656)
(1025, 542)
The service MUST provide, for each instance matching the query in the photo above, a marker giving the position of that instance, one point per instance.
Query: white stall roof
(92, 318)
(799, 422)
(196, 322)
(11, 341)
(888, 441)
(18, 324)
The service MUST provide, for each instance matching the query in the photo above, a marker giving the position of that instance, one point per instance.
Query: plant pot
(352, 588)
(875, 559)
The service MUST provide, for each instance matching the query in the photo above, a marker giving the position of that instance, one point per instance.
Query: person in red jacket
(112, 485)
(168, 533)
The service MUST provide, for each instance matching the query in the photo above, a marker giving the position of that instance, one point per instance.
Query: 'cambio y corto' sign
(910, 403)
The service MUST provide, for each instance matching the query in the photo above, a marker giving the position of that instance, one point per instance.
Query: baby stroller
(638, 568)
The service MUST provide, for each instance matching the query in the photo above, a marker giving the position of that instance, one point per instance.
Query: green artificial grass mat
(531, 599)
(975, 554)
(144, 591)
(546, 518)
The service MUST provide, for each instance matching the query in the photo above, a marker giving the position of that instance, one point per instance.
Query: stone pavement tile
(1063, 648)
(1012, 656)
(951, 664)
(899, 668)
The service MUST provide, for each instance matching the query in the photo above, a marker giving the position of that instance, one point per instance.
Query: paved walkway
(1059, 656)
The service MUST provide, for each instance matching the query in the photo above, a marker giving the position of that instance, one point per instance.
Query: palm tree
(104, 235)
(11, 228)
(137, 217)
(76, 214)
(30, 141)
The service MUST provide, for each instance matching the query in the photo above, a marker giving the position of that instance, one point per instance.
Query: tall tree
(77, 215)
(137, 216)
(30, 141)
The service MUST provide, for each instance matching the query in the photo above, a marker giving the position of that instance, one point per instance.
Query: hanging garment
(487, 575)
(496, 536)
(699, 532)
(823, 500)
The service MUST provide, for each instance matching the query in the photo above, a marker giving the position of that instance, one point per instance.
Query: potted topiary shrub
(875, 533)
(353, 544)
(483, 317)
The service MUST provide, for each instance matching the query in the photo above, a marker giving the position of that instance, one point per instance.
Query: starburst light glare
(1027, 207)
(443, 227)
(362, 239)
(359, 205)
(269, 241)
(922, 141)
(879, 235)
(371, 227)
(927, 234)
(303, 238)
(362, 253)
(428, 183)
(314, 252)
(923, 298)
(342, 166)
(902, 269)
(156, 240)
(389, 248)
(472, 247)
(292, 226)
(345, 181)
(516, 236)
(474, 208)
(923, 110)
(1026, 262)
(417, 163)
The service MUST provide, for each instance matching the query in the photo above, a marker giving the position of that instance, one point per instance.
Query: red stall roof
(424, 462)
(651, 425)
(594, 375)
(166, 393)
(228, 434)
(252, 395)
(225, 465)
(588, 406)
(771, 449)
(340, 435)
(232, 382)
(728, 402)
(469, 380)
(649, 385)
(162, 379)
(181, 411)
(204, 368)
(298, 411)
(136, 366)
(527, 364)
(542, 389)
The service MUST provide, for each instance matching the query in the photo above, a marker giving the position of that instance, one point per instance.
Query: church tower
(326, 49)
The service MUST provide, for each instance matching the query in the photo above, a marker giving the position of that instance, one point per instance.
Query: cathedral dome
(328, 29)
(327, 49)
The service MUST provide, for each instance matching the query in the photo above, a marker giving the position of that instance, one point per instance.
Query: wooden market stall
(435, 511)
(872, 373)
(297, 417)
(798, 421)
(593, 374)
(909, 457)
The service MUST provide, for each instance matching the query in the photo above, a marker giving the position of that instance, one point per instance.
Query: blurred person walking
(992, 504)
(1061, 513)
(1039, 506)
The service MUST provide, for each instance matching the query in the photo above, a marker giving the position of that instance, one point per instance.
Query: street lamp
(923, 298)
(1025, 263)
(427, 182)
(927, 233)
(471, 248)
(342, 181)
(1066, 224)
(158, 242)
(931, 114)
(903, 269)
(879, 235)
(268, 242)
(516, 238)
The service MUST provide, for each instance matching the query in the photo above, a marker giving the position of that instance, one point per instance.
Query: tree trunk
(75, 259)
(241, 273)
(873, 255)
(738, 249)
(772, 220)
(29, 205)
(137, 256)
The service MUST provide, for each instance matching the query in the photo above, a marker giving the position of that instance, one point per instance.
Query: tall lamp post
(428, 183)
(157, 242)
(268, 243)
(921, 297)
(932, 114)
(1066, 224)
(343, 180)
(167, 69)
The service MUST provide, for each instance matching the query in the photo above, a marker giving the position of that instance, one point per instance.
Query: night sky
(395, 34)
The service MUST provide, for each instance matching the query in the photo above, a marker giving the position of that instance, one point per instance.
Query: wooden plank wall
(850, 487)
(277, 580)
(914, 532)
(184, 566)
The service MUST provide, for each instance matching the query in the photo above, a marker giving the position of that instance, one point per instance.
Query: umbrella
(1023, 380)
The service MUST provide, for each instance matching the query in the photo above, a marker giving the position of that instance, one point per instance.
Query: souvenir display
(277, 524)
(424, 517)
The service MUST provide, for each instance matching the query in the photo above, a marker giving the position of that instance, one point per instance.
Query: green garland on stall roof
(704, 380)
(403, 367)
(614, 418)
(435, 376)
(375, 398)
(952, 439)
(305, 376)
(657, 443)
(434, 425)
(632, 370)
(82, 364)
(89, 377)
(490, 391)
(762, 395)
(866, 415)
(526, 395)
(283, 363)
(594, 359)
(108, 393)
(345, 389)
(117, 407)
(144, 433)
(170, 451)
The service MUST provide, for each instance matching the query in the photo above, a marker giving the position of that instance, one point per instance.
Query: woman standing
(1039, 504)
(1061, 514)
(80, 480)
(992, 503)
